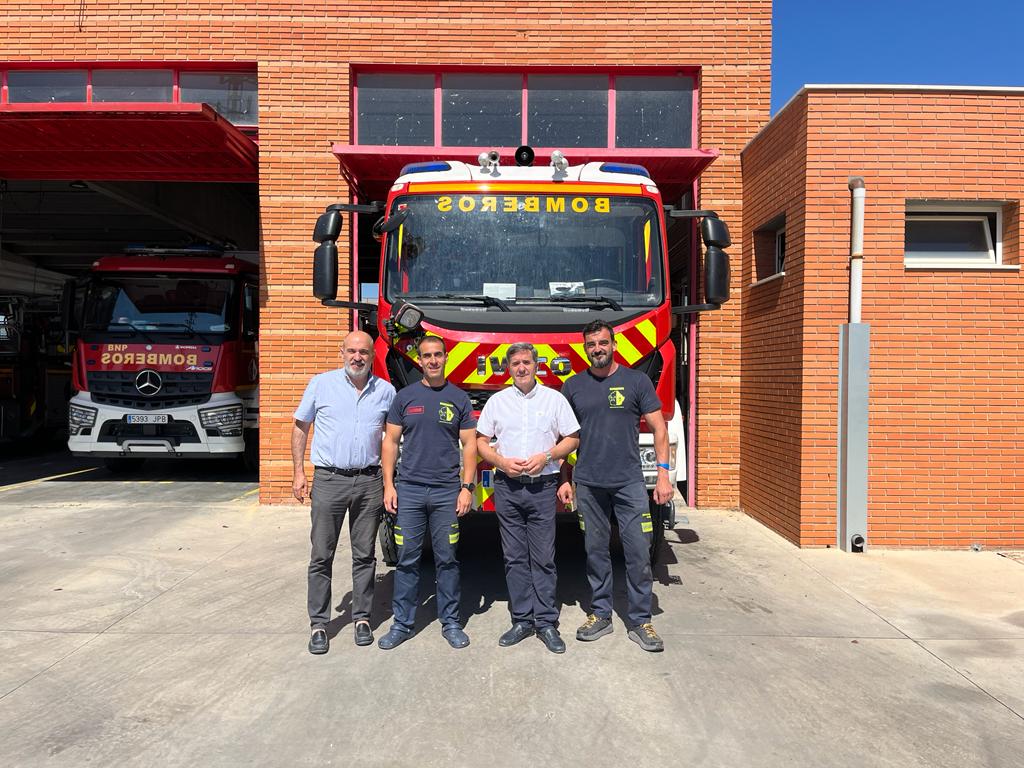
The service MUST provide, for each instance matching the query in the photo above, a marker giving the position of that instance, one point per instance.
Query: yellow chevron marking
(629, 353)
(580, 350)
(649, 331)
(458, 354)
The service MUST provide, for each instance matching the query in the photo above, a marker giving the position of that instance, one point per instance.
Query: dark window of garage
(653, 111)
(233, 94)
(567, 110)
(132, 85)
(45, 86)
(544, 107)
(481, 110)
(396, 109)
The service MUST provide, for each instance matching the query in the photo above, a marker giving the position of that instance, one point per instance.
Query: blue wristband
(664, 466)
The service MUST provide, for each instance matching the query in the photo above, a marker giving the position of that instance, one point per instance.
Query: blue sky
(899, 41)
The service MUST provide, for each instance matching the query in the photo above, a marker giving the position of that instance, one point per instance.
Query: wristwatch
(547, 457)
(469, 486)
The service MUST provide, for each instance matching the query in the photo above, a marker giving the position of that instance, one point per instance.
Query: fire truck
(484, 255)
(165, 363)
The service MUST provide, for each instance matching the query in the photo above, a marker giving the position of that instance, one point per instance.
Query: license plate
(147, 418)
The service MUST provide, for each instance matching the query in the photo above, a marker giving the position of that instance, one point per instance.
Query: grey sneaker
(593, 628)
(646, 638)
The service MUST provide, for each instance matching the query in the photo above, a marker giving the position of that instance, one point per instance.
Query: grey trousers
(362, 496)
(631, 508)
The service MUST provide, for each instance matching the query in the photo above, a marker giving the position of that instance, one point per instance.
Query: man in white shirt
(534, 428)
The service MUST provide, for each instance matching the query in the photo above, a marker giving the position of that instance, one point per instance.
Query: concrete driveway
(164, 624)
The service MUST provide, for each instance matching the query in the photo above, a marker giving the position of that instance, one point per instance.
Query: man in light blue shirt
(347, 407)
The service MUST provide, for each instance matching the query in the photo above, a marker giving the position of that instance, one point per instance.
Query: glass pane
(653, 111)
(132, 84)
(53, 85)
(947, 237)
(233, 94)
(396, 109)
(481, 110)
(567, 111)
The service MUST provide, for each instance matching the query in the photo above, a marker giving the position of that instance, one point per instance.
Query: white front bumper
(676, 439)
(94, 444)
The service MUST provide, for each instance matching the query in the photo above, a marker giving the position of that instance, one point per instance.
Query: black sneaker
(593, 628)
(318, 642)
(645, 636)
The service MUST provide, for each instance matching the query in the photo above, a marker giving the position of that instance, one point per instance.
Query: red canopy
(123, 142)
(370, 170)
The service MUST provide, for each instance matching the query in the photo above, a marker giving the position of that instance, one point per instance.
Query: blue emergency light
(634, 170)
(428, 167)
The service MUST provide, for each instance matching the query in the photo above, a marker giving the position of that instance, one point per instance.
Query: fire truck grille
(479, 396)
(177, 390)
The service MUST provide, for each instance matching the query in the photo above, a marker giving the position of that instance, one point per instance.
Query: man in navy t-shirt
(433, 416)
(608, 400)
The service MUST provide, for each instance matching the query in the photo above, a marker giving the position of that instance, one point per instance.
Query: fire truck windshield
(528, 249)
(158, 303)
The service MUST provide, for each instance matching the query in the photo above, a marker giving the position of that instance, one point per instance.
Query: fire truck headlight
(227, 420)
(79, 418)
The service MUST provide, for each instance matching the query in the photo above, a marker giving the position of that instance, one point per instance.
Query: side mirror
(325, 270)
(716, 275)
(715, 232)
(328, 227)
(394, 221)
(407, 316)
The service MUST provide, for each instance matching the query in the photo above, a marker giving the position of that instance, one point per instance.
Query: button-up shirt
(348, 425)
(528, 424)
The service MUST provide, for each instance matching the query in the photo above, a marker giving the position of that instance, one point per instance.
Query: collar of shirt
(532, 393)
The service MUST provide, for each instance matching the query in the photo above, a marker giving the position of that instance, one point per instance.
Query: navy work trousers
(422, 508)
(631, 507)
(526, 519)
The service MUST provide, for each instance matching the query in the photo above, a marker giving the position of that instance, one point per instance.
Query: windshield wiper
(146, 325)
(487, 301)
(594, 301)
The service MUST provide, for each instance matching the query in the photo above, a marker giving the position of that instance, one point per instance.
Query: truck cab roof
(175, 262)
(456, 171)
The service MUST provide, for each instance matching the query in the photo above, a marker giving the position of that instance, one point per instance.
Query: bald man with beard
(348, 407)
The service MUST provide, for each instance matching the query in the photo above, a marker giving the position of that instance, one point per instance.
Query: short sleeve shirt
(431, 420)
(609, 411)
(525, 425)
(348, 425)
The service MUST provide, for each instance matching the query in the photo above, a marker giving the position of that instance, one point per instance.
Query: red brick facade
(304, 55)
(946, 359)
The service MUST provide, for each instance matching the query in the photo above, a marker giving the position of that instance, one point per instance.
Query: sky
(899, 41)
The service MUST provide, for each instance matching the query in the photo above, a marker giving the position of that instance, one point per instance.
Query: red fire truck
(165, 363)
(484, 255)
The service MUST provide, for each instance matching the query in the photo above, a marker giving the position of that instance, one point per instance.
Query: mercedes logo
(148, 382)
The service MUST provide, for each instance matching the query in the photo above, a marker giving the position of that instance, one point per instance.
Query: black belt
(352, 472)
(527, 480)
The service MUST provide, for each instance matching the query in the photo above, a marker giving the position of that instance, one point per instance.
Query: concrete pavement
(148, 627)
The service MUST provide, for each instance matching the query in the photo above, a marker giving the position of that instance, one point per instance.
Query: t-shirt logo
(446, 413)
(616, 397)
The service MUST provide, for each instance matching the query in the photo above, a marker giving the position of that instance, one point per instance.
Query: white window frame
(952, 210)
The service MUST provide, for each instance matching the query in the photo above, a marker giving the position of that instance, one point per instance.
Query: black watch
(469, 486)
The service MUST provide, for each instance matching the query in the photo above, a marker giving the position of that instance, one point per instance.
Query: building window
(567, 110)
(946, 234)
(132, 85)
(540, 108)
(396, 109)
(481, 110)
(46, 86)
(770, 248)
(653, 111)
(232, 94)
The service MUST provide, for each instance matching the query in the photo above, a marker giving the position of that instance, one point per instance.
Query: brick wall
(946, 378)
(304, 52)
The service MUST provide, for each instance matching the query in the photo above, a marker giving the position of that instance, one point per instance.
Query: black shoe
(520, 631)
(456, 637)
(393, 638)
(593, 628)
(551, 639)
(363, 634)
(318, 642)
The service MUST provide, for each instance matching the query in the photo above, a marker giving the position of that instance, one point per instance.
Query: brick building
(763, 420)
(944, 169)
